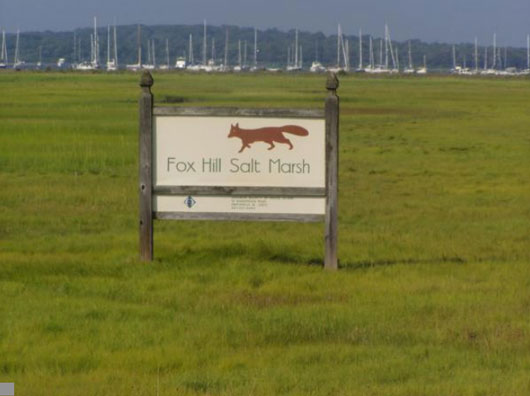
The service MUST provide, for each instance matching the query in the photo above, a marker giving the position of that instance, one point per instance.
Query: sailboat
(360, 68)
(295, 65)
(137, 66)
(238, 67)
(39, 63)
(205, 64)
(18, 64)
(81, 65)
(94, 52)
(151, 63)
(3, 52)
(181, 62)
(423, 70)
(341, 50)
(316, 66)
(225, 67)
(166, 66)
(255, 66)
(475, 70)
(493, 69)
(527, 70)
(456, 69)
(95, 45)
(371, 63)
(393, 53)
(112, 63)
(410, 68)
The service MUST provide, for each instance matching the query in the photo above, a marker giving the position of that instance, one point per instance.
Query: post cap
(146, 80)
(332, 83)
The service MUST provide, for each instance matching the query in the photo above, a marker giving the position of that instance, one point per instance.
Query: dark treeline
(273, 47)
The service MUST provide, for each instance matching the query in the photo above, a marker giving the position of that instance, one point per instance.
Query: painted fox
(267, 135)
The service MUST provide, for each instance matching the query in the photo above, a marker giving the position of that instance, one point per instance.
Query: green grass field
(433, 295)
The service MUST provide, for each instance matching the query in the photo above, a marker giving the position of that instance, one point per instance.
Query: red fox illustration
(267, 135)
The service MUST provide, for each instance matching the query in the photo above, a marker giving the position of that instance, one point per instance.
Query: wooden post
(332, 172)
(146, 157)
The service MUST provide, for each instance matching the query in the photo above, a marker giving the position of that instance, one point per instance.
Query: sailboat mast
(454, 57)
(96, 42)
(154, 55)
(296, 48)
(2, 59)
(139, 43)
(410, 56)
(391, 49)
(339, 34)
(239, 53)
(346, 55)
(381, 52)
(527, 51)
(167, 53)
(255, 47)
(204, 44)
(16, 48)
(226, 49)
(149, 62)
(75, 48)
(4, 49)
(245, 54)
(372, 62)
(91, 47)
(476, 55)
(190, 50)
(344, 49)
(360, 49)
(494, 50)
(115, 46)
(108, 46)
(386, 46)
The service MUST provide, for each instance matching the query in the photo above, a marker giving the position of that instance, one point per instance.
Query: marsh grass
(433, 293)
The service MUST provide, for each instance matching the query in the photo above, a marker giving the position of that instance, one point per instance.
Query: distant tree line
(274, 47)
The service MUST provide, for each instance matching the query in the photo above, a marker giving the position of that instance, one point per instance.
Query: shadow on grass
(365, 264)
(286, 254)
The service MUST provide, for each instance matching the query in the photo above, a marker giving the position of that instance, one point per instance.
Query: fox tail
(295, 130)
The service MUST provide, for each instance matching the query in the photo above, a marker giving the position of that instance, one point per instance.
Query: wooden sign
(238, 164)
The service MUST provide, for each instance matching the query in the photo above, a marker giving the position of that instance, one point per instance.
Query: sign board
(236, 151)
(237, 164)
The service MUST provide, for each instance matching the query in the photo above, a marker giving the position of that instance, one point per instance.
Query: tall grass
(433, 293)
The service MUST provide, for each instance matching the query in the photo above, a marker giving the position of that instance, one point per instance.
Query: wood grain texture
(241, 191)
(332, 174)
(302, 218)
(145, 105)
(237, 112)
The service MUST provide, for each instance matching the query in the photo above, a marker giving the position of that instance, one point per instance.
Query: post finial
(332, 82)
(146, 80)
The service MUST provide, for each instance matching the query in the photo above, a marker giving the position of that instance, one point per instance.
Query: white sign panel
(238, 152)
(225, 151)
(224, 204)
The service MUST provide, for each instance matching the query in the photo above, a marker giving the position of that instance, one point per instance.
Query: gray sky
(429, 20)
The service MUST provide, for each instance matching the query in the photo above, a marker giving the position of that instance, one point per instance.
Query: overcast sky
(429, 20)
